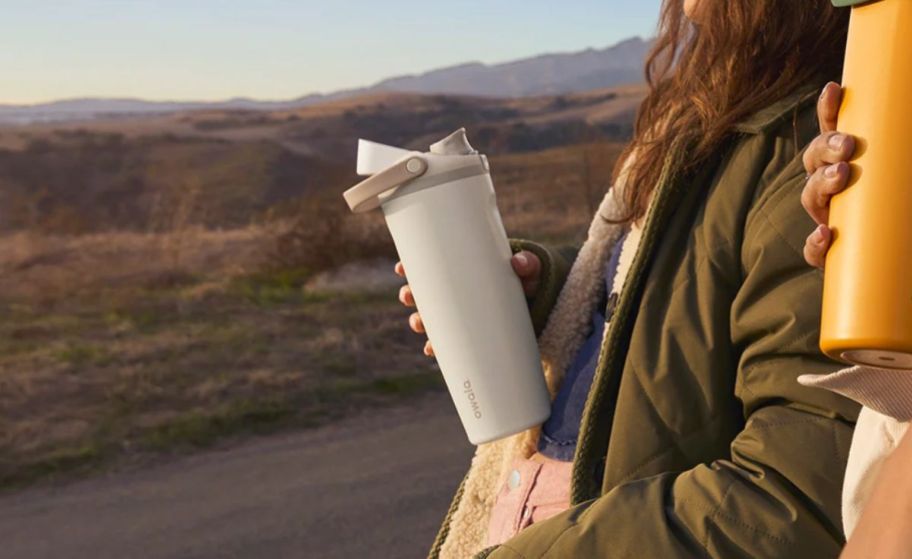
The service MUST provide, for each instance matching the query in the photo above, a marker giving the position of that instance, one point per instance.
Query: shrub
(319, 233)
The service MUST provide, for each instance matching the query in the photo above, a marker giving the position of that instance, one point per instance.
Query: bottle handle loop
(365, 196)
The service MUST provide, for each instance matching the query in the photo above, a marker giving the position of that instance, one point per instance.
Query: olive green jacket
(697, 440)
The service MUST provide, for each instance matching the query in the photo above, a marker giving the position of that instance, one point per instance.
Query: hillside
(226, 168)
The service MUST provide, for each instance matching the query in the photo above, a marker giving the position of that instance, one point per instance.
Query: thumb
(526, 265)
(828, 107)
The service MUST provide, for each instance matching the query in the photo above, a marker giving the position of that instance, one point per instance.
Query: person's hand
(526, 265)
(826, 163)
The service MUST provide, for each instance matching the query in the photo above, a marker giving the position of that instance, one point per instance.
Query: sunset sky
(279, 49)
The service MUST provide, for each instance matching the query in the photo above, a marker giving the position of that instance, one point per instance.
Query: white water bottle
(442, 213)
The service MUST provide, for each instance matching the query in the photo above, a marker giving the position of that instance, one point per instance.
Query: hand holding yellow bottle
(867, 309)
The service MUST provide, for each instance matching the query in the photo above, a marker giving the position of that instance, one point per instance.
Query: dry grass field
(107, 348)
(121, 344)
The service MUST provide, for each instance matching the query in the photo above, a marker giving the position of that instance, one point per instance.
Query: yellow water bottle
(867, 296)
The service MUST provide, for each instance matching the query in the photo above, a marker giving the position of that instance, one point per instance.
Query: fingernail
(832, 171)
(818, 235)
(522, 260)
(836, 141)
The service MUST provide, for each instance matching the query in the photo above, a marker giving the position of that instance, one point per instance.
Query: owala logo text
(470, 394)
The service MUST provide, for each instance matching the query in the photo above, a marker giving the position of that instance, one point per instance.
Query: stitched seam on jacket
(748, 369)
(768, 426)
(717, 512)
(801, 339)
(742, 379)
(836, 453)
(629, 476)
(771, 192)
(566, 531)
(639, 467)
(733, 520)
(766, 195)
(754, 529)
(762, 213)
(688, 276)
(707, 252)
(840, 454)
(742, 382)
(561, 536)
(755, 125)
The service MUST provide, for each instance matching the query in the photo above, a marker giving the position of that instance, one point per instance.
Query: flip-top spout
(456, 143)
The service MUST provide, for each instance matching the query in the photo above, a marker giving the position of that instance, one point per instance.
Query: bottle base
(504, 433)
(883, 359)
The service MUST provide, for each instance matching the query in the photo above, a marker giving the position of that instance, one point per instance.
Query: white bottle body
(456, 255)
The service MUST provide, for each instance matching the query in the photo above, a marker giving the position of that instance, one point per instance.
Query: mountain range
(549, 74)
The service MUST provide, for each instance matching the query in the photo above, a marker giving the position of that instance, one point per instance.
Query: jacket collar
(767, 117)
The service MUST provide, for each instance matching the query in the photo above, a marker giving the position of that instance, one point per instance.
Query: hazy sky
(279, 49)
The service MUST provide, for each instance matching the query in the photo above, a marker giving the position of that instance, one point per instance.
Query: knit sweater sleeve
(556, 262)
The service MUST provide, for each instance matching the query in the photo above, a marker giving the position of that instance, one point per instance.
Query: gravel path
(374, 485)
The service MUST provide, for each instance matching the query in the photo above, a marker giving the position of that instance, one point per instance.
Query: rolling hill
(223, 169)
(549, 74)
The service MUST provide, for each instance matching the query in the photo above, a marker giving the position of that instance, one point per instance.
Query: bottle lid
(390, 168)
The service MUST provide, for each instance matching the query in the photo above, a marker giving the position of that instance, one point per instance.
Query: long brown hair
(705, 77)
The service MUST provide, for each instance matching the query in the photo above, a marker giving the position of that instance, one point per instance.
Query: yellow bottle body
(867, 296)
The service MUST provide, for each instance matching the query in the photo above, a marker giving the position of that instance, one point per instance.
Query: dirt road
(375, 485)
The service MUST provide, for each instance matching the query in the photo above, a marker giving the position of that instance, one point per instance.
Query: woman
(673, 343)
